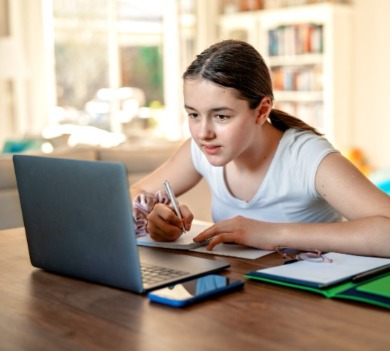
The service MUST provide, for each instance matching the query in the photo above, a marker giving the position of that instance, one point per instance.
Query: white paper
(234, 250)
(342, 267)
(185, 242)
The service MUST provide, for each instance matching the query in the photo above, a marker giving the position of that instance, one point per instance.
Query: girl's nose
(205, 130)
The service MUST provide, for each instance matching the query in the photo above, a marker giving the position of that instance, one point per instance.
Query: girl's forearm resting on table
(368, 236)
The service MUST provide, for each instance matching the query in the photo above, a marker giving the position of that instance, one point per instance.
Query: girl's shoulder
(303, 150)
(302, 141)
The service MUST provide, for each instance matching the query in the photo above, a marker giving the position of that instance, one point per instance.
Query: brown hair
(237, 64)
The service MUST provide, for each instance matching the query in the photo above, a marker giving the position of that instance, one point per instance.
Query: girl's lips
(211, 150)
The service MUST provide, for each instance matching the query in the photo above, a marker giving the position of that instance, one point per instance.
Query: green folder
(375, 291)
(380, 287)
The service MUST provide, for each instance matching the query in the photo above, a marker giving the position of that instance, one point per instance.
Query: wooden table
(43, 311)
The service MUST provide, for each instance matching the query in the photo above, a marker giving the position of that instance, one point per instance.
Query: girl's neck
(251, 168)
(262, 151)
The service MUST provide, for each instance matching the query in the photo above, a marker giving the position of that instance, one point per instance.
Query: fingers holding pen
(165, 225)
(188, 217)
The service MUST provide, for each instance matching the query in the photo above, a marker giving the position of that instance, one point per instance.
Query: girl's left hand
(239, 230)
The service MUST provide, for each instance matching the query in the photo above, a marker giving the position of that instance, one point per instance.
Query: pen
(371, 273)
(175, 204)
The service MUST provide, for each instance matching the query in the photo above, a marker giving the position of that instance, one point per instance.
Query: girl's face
(222, 125)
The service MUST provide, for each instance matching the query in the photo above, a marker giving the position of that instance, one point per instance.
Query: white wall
(39, 43)
(371, 81)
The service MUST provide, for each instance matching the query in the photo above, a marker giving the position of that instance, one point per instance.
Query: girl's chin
(216, 161)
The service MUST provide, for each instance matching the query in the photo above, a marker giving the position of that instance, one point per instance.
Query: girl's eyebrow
(214, 109)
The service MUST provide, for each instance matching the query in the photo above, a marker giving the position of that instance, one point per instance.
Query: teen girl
(275, 181)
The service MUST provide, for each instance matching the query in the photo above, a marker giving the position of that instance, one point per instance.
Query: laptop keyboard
(152, 274)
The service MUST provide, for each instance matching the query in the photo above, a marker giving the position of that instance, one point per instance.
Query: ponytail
(283, 121)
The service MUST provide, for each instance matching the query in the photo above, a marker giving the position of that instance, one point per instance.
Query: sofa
(139, 161)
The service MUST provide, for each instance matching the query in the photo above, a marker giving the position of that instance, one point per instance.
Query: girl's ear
(263, 110)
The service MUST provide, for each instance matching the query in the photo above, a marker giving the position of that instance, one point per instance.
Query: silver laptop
(78, 221)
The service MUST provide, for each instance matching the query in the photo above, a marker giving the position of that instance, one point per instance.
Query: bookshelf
(308, 50)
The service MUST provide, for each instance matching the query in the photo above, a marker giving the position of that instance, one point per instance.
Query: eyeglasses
(297, 255)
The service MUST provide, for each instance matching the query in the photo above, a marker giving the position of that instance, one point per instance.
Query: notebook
(78, 221)
(344, 267)
(186, 242)
(357, 278)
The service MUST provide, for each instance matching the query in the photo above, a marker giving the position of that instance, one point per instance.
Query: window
(109, 53)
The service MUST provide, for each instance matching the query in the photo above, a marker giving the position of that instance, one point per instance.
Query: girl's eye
(222, 117)
(193, 115)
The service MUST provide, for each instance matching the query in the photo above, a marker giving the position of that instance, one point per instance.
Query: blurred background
(107, 73)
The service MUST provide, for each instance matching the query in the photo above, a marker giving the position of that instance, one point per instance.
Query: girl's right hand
(164, 225)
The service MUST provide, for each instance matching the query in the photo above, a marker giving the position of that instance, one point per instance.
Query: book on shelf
(358, 278)
(295, 39)
(297, 78)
